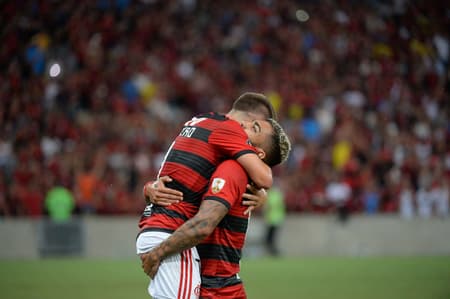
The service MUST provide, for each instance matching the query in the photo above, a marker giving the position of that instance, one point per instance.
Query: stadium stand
(92, 93)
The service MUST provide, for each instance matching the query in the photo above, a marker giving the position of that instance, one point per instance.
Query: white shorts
(178, 276)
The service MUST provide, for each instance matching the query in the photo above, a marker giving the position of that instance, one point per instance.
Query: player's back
(203, 143)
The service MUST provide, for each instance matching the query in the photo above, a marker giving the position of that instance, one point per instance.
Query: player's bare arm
(259, 172)
(157, 193)
(186, 236)
(254, 198)
(258, 133)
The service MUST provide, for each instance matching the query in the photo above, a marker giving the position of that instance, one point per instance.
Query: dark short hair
(255, 103)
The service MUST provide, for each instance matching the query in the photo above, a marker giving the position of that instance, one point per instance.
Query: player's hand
(150, 263)
(157, 193)
(254, 198)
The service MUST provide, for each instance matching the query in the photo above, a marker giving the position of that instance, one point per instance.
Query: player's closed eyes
(256, 127)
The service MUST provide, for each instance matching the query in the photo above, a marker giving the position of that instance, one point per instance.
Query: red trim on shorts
(180, 286)
(190, 273)
(186, 270)
(186, 267)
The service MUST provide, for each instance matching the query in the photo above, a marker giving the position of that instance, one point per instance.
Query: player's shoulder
(231, 167)
(213, 120)
(218, 125)
(231, 174)
(212, 116)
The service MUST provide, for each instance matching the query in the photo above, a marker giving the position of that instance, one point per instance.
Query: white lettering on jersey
(148, 210)
(194, 121)
(187, 131)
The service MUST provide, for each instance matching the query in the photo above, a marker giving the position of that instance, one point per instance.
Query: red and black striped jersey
(203, 143)
(220, 252)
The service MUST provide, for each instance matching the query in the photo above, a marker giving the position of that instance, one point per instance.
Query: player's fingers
(162, 203)
(147, 268)
(165, 198)
(248, 210)
(249, 203)
(145, 189)
(144, 264)
(251, 188)
(166, 179)
(256, 190)
(142, 257)
(249, 196)
(170, 194)
(153, 271)
(169, 191)
(165, 202)
(147, 272)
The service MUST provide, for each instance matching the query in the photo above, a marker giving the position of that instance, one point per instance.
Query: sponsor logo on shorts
(197, 290)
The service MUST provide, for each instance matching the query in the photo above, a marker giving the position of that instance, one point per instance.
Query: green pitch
(311, 278)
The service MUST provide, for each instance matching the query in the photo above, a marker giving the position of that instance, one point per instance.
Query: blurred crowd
(93, 92)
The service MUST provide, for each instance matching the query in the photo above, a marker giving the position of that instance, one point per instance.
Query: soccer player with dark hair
(203, 143)
(218, 229)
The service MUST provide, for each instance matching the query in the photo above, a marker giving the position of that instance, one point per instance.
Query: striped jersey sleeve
(221, 251)
(226, 137)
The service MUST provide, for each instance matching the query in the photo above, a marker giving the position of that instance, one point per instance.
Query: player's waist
(170, 217)
(215, 282)
(155, 229)
(160, 223)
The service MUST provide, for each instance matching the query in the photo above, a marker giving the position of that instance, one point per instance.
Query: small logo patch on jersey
(148, 211)
(217, 185)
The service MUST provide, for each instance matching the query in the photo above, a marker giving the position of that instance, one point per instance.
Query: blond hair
(279, 146)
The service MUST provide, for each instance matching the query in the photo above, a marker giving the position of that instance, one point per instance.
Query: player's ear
(260, 152)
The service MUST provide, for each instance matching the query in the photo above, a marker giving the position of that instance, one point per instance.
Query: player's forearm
(265, 178)
(194, 230)
(259, 172)
(187, 236)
